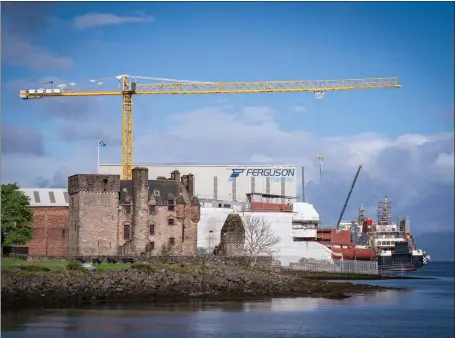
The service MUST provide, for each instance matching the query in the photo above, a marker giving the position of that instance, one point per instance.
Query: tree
(166, 250)
(201, 251)
(259, 238)
(16, 216)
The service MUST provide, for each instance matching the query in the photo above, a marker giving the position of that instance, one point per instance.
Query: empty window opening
(171, 241)
(151, 209)
(152, 245)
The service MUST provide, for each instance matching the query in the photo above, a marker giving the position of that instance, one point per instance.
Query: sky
(403, 137)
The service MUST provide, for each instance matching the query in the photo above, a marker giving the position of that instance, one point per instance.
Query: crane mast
(130, 87)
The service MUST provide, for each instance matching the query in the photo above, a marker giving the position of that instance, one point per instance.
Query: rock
(336, 295)
(147, 282)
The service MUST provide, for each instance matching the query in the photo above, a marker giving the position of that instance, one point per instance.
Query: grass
(8, 263)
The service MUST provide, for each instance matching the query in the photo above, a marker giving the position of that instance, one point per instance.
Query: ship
(384, 241)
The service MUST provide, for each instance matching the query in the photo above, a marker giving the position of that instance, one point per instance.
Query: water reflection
(185, 315)
(425, 311)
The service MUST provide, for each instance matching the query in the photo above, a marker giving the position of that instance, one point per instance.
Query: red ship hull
(340, 242)
(360, 254)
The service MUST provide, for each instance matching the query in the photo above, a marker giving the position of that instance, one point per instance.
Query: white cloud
(409, 168)
(258, 114)
(91, 20)
(19, 51)
(444, 165)
(299, 109)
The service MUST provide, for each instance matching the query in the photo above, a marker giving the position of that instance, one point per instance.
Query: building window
(67, 199)
(126, 232)
(170, 205)
(170, 221)
(234, 189)
(152, 229)
(152, 245)
(215, 187)
(152, 209)
(36, 195)
(171, 241)
(51, 196)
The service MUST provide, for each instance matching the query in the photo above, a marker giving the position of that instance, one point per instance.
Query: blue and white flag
(101, 144)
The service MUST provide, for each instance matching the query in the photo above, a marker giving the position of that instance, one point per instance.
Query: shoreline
(22, 288)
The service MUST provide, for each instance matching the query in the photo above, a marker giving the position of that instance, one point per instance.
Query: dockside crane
(129, 86)
(349, 196)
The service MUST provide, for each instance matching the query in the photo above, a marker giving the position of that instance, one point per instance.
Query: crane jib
(130, 88)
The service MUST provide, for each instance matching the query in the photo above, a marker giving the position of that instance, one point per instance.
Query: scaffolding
(385, 212)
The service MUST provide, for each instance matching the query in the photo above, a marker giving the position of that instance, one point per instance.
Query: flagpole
(98, 166)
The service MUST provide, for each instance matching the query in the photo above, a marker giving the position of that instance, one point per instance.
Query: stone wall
(50, 232)
(93, 214)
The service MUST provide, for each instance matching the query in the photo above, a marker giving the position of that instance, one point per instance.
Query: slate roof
(161, 189)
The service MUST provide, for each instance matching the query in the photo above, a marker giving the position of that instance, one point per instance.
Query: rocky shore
(146, 282)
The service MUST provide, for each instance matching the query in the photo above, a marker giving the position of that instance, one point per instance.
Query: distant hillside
(439, 245)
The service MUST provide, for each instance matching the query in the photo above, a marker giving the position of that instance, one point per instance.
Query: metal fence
(338, 266)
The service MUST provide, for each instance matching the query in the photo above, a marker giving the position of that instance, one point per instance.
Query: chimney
(190, 186)
(175, 175)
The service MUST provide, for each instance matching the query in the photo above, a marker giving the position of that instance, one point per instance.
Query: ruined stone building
(109, 216)
(232, 236)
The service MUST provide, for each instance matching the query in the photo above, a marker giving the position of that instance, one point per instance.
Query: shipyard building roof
(47, 197)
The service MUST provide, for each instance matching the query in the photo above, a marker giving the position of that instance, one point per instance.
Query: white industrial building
(213, 182)
(286, 251)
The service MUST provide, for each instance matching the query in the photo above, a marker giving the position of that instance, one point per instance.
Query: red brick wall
(50, 232)
(262, 206)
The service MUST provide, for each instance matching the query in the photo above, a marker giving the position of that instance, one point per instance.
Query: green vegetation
(16, 216)
(180, 268)
(74, 265)
(8, 263)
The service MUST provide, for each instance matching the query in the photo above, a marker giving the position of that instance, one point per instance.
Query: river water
(427, 311)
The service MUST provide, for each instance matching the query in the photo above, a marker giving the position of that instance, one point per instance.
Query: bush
(142, 267)
(33, 268)
(74, 265)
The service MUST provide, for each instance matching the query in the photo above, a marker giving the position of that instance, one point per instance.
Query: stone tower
(93, 214)
(233, 236)
(140, 210)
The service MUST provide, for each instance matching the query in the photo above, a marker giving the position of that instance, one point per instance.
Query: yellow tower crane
(130, 87)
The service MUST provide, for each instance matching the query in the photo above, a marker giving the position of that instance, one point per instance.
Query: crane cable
(319, 156)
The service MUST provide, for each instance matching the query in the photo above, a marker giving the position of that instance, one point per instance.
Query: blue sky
(406, 133)
(268, 41)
